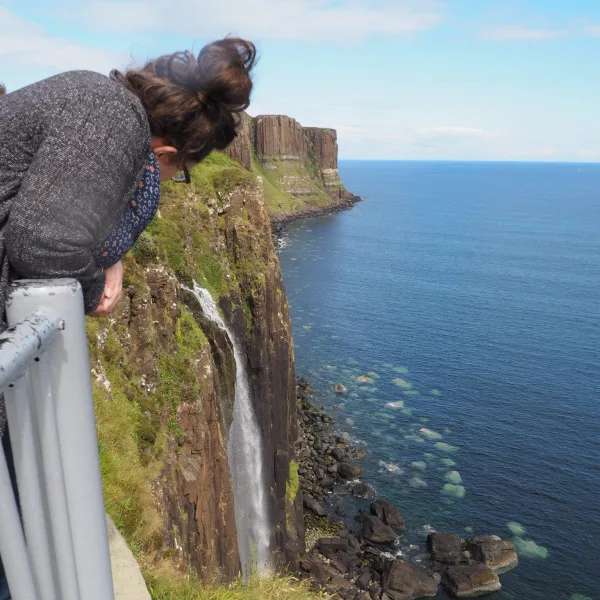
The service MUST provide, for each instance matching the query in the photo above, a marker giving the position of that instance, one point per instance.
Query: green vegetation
(184, 230)
(259, 588)
(177, 380)
(278, 200)
(293, 482)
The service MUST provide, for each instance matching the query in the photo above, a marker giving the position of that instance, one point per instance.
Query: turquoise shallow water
(470, 295)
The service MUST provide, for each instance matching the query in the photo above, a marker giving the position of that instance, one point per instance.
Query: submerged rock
(490, 550)
(376, 531)
(469, 581)
(445, 548)
(388, 513)
(403, 581)
(402, 383)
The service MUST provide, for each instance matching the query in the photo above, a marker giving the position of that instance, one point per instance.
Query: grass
(278, 200)
(293, 482)
(259, 588)
(183, 231)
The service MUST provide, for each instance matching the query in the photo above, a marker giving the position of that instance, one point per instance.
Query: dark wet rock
(339, 565)
(348, 472)
(339, 454)
(311, 504)
(303, 382)
(495, 553)
(363, 490)
(318, 572)
(403, 581)
(305, 564)
(469, 581)
(445, 548)
(375, 591)
(388, 513)
(328, 546)
(364, 581)
(376, 531)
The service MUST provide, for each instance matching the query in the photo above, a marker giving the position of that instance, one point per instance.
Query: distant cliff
(298, 166)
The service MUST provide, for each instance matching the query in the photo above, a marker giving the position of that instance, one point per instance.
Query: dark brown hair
(192, 102)
(2, 89)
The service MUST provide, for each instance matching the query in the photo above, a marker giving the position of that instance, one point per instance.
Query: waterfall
(244, 450)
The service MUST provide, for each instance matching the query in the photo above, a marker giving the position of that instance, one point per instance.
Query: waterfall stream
(244, 451)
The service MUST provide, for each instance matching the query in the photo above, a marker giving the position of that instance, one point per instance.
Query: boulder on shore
(311, 504)
(388, 513)
(445, 548)
(376, 531)
(470, 581)
(348, 472)
(403, 581)
(495, 553)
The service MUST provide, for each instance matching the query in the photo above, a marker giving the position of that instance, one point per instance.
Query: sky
(398, 79)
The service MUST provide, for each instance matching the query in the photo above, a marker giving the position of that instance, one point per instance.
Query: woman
(82, 156)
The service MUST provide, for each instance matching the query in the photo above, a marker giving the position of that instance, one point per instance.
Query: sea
(468, 295)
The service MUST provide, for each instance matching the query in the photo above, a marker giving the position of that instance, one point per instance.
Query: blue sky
(414, 79)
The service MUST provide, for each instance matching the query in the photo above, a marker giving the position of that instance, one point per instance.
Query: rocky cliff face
(164, 377)
(297, 165)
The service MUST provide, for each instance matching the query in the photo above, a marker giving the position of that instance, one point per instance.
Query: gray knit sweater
(72, 148)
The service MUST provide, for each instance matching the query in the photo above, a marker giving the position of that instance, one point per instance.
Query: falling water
(244, 450)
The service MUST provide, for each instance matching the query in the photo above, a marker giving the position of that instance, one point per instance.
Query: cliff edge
(297, 166)
(164, 379)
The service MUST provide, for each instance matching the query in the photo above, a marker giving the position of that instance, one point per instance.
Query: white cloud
(587, 154)
(291, 20)
(521, 34)
(593, 30)
(452, 131)
(28, 45)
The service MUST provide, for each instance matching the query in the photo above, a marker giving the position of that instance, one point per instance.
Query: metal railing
(59, 551)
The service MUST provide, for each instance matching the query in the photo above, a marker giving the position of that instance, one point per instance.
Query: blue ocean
(468, 295)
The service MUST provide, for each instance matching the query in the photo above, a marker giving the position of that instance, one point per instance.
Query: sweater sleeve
(75, 191)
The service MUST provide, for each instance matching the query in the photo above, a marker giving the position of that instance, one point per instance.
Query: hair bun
(223, 72)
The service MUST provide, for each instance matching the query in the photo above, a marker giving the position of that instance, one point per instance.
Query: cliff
(297, 166)
(164, 378)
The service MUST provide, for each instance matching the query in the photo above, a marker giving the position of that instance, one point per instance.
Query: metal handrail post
(72, 391)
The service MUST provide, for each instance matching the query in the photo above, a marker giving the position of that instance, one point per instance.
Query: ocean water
(469, 293)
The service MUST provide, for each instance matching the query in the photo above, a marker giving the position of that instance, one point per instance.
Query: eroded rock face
(258, 313)
(403, 581)
(497, 554)
(470, 581)
(243, 145)
(302, 162)
(185, 385)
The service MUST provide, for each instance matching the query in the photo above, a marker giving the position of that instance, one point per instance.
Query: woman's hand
(113, 286)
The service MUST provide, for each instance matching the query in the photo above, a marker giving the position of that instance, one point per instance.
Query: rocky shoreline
(357, 559)
(345, 203)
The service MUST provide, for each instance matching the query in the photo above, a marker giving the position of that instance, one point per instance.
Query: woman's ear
(162, 149)
(165, 152)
